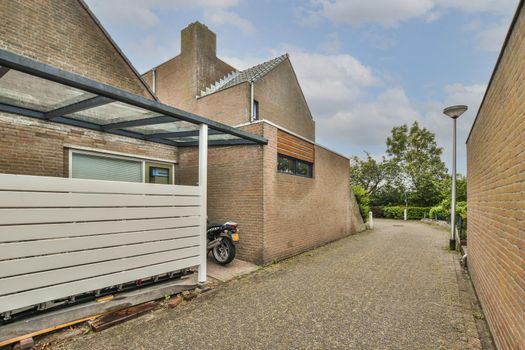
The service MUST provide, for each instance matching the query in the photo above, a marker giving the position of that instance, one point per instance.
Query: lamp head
(455, 112)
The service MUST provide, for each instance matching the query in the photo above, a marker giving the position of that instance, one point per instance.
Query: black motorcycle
(222, 239)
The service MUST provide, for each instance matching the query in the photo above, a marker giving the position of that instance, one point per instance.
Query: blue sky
(365, 66)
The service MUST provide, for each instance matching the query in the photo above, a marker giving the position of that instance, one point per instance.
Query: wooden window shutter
(292, 146)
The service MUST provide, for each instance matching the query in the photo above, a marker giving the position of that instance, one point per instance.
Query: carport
(62, 237)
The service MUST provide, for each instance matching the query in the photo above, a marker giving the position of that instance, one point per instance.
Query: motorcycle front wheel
(224, 253)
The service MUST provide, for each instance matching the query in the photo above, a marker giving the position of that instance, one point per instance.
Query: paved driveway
(395, 287)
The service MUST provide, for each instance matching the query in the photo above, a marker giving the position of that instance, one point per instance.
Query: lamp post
(453, 112)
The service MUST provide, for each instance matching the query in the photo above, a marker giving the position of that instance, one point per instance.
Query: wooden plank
(48, 262)
(14, 199)
(10, 182)
(113, 318)
(55, 215)
(47, 330)
(76, 229)
(20, 283)
(294, 147)
(299, 155)
(32, 297)
(61, 245)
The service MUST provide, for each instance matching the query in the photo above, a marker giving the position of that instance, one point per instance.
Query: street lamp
(454, 112)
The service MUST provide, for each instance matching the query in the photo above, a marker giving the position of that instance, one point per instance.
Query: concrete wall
(64, 35)
(496, 196)
(282, 102)
(302, 213)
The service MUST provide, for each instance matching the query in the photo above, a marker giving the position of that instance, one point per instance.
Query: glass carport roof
(37, 90)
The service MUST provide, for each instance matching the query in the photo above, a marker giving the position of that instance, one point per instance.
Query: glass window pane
(113, 113)
(285, 164)
(164, 127)
(184, 138)
(27, 91)
(87, 166)
(222, 137)
(304, 169)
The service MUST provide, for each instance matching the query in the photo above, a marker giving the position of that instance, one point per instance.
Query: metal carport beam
(79, 123)
(77, 107)
(3, 71)
(162, 135)
(140, 122)
(35, 68)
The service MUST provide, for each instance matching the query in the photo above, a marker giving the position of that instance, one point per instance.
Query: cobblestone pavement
(396, 287)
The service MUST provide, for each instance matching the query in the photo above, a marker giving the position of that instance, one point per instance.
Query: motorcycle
(222, 239)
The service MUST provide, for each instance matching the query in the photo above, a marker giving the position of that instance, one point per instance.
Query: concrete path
(396, 287)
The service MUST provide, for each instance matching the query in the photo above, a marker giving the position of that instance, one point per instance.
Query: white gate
(60, 237)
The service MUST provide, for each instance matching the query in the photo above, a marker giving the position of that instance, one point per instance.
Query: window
(88, 166)
(101, 166)
(292, 166)
(158, 173)
(255, 111)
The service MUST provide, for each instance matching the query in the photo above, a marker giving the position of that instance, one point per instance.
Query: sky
(365, 66)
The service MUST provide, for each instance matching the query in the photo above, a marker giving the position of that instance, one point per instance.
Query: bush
(363, 200)
(442, 211)
(377, 211)
(398, 212)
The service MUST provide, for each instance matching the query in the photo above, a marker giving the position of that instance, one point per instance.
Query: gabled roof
(248, 75)
(117, 48)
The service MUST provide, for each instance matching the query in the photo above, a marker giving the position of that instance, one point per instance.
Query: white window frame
(118, 155)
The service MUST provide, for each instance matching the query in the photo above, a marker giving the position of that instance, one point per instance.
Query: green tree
(461, 187)
(363, 200)
(418, 165)
(368, 173)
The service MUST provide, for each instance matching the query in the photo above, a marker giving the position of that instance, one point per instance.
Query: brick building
(496, 193)
(288, 196)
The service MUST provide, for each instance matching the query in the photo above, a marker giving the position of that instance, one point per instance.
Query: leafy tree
(368, 173)
(418, 165)
(461, 187)
(363, 200)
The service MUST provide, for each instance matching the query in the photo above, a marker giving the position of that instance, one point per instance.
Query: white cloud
(225, 17)
(392, 12)
(491, 38)
(368, 122)
(143, 13)
(332, 44)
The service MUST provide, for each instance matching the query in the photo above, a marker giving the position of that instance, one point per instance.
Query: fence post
(405, 214)
(370, 220)
(203, 186)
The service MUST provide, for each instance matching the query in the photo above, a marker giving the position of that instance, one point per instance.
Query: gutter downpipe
(251, 100)
(154, 81)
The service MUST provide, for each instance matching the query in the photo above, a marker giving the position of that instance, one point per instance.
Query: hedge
(397, 212)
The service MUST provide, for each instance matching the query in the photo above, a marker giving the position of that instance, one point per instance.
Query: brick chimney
(199, 46)
(197, 39)
(180, 80)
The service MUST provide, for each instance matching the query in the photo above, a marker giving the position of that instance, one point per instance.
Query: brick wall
(64, 35)
(496, 196)
(235, 189)
(302, 213)
(33, 147)
(281, 101)
(179, 80)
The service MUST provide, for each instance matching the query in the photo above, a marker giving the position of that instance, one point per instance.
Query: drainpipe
(251, 100)
(154, 81)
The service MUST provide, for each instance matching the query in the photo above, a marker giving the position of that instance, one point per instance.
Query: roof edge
(120, 52)
(498, 61)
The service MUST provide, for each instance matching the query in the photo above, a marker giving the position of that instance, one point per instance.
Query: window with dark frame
(293, 166)
(255, 112)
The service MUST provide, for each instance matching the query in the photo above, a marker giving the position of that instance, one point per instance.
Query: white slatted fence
(61, 237)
